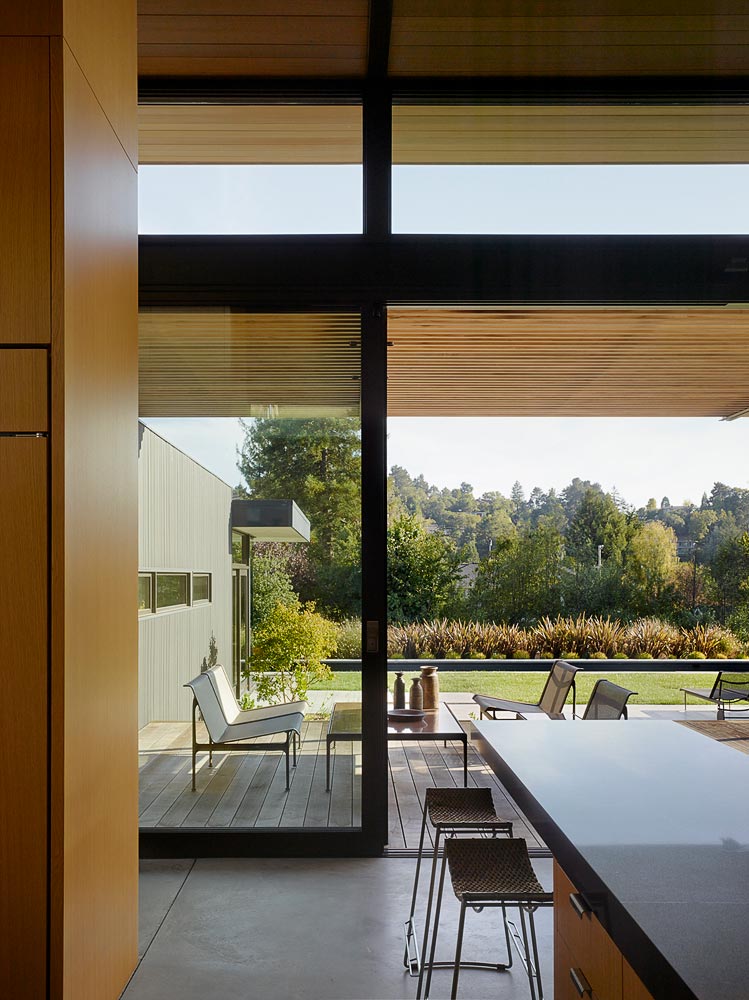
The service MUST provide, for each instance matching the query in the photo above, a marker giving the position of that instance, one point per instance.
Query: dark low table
(438, 724)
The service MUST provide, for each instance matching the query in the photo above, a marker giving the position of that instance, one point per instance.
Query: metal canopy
(270, 520)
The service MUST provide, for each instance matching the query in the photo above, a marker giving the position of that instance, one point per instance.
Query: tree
(597, 521)
(317, 463)
(422, 572)
(651, 565)
(271, 585)
(521, 578)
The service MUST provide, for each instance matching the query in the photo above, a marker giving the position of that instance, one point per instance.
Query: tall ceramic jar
(430, 684)
(415, 694)
(399, 690)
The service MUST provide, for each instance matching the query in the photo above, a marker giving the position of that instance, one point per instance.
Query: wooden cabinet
(587, 963)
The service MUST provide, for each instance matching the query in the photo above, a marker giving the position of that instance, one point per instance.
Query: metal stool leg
(437, 910)
(414, 964)
(508, 939)
(427, 917)
(458, 949)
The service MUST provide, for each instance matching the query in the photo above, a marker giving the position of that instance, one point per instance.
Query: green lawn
(652, 688)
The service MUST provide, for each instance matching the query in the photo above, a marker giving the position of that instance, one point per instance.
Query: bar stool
(450, 811)
(489, 874)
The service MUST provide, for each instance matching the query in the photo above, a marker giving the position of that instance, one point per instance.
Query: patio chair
(227, 723)
(561, 678)
(607, 701)
(725, 692)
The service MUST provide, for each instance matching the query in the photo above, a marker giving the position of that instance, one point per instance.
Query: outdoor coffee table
(438, 724)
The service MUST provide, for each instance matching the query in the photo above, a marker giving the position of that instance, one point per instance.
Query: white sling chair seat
(227, 723)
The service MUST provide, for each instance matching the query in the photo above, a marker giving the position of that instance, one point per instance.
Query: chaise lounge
(228, 724)
(561, 678)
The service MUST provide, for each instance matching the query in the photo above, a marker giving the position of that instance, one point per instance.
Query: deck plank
(248, 790)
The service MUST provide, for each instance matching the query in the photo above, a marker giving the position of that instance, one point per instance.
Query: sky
(642, 458)
(581, 199)
(678, 458)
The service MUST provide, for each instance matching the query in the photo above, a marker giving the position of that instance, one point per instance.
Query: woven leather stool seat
(492, 868)
(458, 807)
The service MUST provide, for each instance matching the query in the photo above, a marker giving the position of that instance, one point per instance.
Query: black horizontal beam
(308, 272)
(450, 90)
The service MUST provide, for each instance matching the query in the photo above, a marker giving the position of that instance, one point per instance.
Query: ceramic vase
(399, 690)
(430, 684)
(416, 694)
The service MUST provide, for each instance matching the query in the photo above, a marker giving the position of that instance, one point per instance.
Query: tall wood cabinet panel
(94, 539)
(24, 191)
(23, 715)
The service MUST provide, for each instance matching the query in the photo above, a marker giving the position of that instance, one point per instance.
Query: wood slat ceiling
(225, 364)
(204, 133)
(626, 134)
(569, 38)
(568, 362)
(259, 38)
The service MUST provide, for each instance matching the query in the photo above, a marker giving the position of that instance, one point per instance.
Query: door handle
(580, 983)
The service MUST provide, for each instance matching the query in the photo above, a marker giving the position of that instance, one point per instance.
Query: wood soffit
(219, 363)
(568, 362)
(329, 38)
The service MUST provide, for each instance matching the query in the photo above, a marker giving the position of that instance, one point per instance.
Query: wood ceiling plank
(250, 134)
(217, 64)
(212, 30)
(524, 134)
(582, 60)
(573, 362)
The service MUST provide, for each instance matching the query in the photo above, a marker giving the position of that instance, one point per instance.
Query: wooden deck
(733, 734)
(248, 790)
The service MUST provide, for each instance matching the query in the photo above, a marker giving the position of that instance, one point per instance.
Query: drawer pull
(579, 905)
(580, 983)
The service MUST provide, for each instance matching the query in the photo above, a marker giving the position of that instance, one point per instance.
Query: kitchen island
(649, 825)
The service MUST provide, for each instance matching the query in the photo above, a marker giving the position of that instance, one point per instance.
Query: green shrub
(521, 654)
(598, 655)
(288, 650)
(619, 656)
(477, 656)
(695, 655)
(452, 655)
(570, 654)
(349, 639)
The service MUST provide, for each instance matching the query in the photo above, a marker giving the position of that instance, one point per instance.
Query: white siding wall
(184, 524)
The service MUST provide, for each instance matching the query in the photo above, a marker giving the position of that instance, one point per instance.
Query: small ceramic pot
(416, 694)
(430, 684)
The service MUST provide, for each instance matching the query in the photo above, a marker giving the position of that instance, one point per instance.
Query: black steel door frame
(364, 273)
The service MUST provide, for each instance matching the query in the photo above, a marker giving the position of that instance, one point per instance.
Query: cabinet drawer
(590, 948)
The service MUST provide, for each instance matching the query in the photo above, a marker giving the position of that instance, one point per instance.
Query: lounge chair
(607, 701)
(561, 678)
(725, 692)
(227, 723)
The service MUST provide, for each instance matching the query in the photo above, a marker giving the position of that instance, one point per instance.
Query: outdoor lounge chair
(725, 692)
(561, 678)
(607, 701)
(227, 723)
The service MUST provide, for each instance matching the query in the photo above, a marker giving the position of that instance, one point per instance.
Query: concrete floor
(298, 929)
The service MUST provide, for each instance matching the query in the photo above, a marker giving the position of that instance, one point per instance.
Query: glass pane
(253, 441)
(570, 170)
(250, 169)
(201, 587)
(171, 589)
(145, 598)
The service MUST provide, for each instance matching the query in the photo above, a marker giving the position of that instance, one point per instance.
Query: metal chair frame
(526, 948)
(411, 956)
(292, 741)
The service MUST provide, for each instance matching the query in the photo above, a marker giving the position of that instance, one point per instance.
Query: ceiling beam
(288, 272)
(451, 90)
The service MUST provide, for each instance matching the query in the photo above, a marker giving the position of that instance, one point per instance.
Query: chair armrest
(271, 712)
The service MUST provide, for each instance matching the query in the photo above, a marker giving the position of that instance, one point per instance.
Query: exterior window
(172, 590)
(201, 588)
(145, 593)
